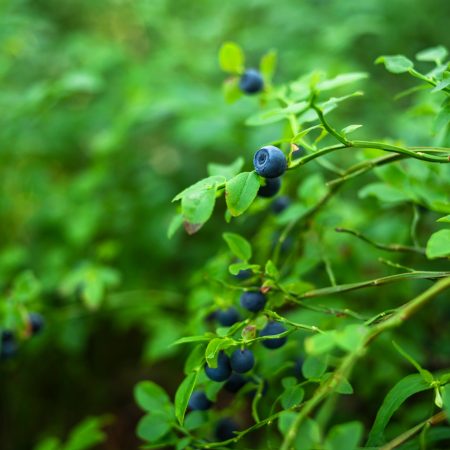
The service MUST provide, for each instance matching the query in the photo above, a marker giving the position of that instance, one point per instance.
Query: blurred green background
(107, 110)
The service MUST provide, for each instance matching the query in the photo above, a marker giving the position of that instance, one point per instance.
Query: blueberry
(244, 274)
(228, 317)
(225, 429)
(199, 401)
(223, 370)
(280, 204)
(271, 329)
(242, 360)
(253, 301)
(235, 382)
(8, 345)
(251, 82)
(270, 188)
(270, 162)
(36, 322)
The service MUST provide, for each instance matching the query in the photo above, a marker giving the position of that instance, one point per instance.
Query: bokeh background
(107, 110)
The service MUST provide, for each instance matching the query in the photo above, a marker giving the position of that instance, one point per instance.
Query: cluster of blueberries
(9, 345)
(231, 369)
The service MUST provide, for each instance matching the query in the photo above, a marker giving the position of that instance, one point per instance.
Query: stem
(329, 128)
(328, 387)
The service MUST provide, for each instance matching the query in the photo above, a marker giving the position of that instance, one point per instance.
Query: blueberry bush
(288, 321)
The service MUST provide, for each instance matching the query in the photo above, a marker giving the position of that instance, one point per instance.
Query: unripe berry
(251, 82)
(270, 162)
(223, 370)
(253, 301)
(242, 360)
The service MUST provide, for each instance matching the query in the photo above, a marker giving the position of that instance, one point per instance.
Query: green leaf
(175, 223)
(93, 291)
(153, 427)
(271, 270)
(195, 359)
(234, 269)
(438, 245)
(231, 58)
(87, 434)
(240, 192)
(198, 206)
(183, 395)
(341, 80)
(344, 387)
(351, 337)
(206, 183)
(445, 393)
(441, 85)
(151, 397)
(445, 219)
(268, 65)
(187, 339)
(345, 436)
(350, 129)
(426, 375)
(292, 396)
(320, 343)
(226, 170)
(239, 246)
(395, 63)
(183, 443)
(213, 348)
(436, 54)
(231, 90)
(383, 192)
(405, 388)
(314, 367)
(51, 443)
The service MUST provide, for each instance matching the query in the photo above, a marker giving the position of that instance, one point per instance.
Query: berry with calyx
(223, 370)
(225, 429)
(280, 204)
(36, 322)
(270, 188)
(253, 301)
(251, 82)
(199, 401)
(228, 317)
(242, 360)
(270, 162)
(235, 382)
(271, 329)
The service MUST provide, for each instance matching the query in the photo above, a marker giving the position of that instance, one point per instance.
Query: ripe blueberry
(235, 382)
(36, 322)
(199, 401)
(271, 329)
(225, 429)
(244, 274)
(8, 346)
(228, 317)
(270, 188)
(223, 370)
(242, 360)
(270, 162)
(280, 204)
(253, 301)
(251, 82)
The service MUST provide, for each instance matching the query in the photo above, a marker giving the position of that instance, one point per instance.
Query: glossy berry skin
(223, 370)
(225, 429)
(228, 317)
(271, 329)
(36, 322)
(270, 162)
(270, 188)
(242, 360)
(280, 204)
(251, 82)
(235, 383)
(253, 301)
(199, 401)
(244, 274)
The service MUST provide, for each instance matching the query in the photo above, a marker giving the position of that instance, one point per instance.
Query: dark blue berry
(280, 204)
(244, 274)
(270, 162)
(270, 188)
(271, 329)
(8, 345)
(251, 82)
(223, 370)
(242, 360)
(235, 382)
(225, 429)
(228, 317)
(253, 301)
(36, 322)
(199, 401)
